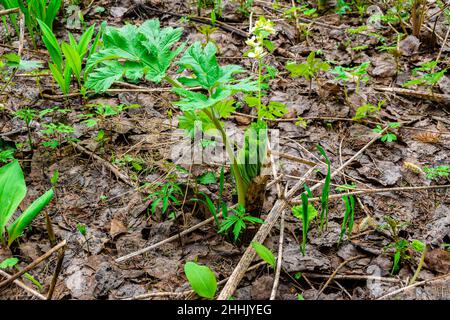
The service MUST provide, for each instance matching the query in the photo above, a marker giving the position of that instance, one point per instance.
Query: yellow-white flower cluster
(262, 29)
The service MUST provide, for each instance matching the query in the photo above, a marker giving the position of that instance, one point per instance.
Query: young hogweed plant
(148, 51)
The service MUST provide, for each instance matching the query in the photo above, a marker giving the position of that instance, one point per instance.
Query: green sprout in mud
(355, 74)
(368, 109)
(389, 136)
(436, 172)
(308, 70)
(238, 221)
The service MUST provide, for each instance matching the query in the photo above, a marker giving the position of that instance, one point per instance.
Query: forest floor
(101, 180)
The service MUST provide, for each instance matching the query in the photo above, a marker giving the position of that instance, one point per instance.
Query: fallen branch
(436, 97)
(108, 165)
(335, 273)
(175, 237)
(260, 236)
(31, 266)
(412, 286)
(368, 191)
(279, 259)
(9, 11)
(23, 286)
(360, 277)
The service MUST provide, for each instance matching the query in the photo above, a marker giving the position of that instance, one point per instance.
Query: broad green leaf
(312, 213)
(73, 59)
(52, 45)
(202, 279)
(16, 228)
(207, 178)
(85, 39)
(146, 50)
(264, 253)
(8, 263)
(12, 192)
(59, 78)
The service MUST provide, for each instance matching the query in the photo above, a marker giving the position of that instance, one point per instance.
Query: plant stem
(419, 267)
(173, 82)
(241, 188)
(259, 84)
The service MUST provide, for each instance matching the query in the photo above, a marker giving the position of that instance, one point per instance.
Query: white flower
(257, 53)
(252, 42)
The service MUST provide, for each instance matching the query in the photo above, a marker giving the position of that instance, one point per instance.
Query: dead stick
(367, 191)
(335, 272)
(436, 97)
(33, 264)
(9, 11)
(260, 236)
(23, 286)
(111, 167)
(361, 277)
(56, 273)
(156, 245)
(279, 259)
(412, 286)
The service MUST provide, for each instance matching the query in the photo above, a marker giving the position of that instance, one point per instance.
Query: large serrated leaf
(145, 51)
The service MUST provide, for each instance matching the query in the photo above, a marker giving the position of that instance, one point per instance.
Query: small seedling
(165, 196)
(389, 136)
(308, 70)
(349, 216)
(237, 222)
(202, 279)
(436, 172)
(366, 110)
(264, 253)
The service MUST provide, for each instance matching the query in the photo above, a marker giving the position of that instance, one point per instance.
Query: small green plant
(58, 133)
(27, 115)
(349, 216)
(402, 252)
(436, 172)
(12, 263)
(306, 213)
(367, 109)
(264, 253)
(202, 279)
(429, 77)
(12, 192)
(353, 74)
(165, 196)
(6, 155)
(325, 191)
(237, 222)
(67, 58)
(33, 11)
(389, 136)
(308, 70)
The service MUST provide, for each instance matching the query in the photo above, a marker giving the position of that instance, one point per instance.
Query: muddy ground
(116, 214)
